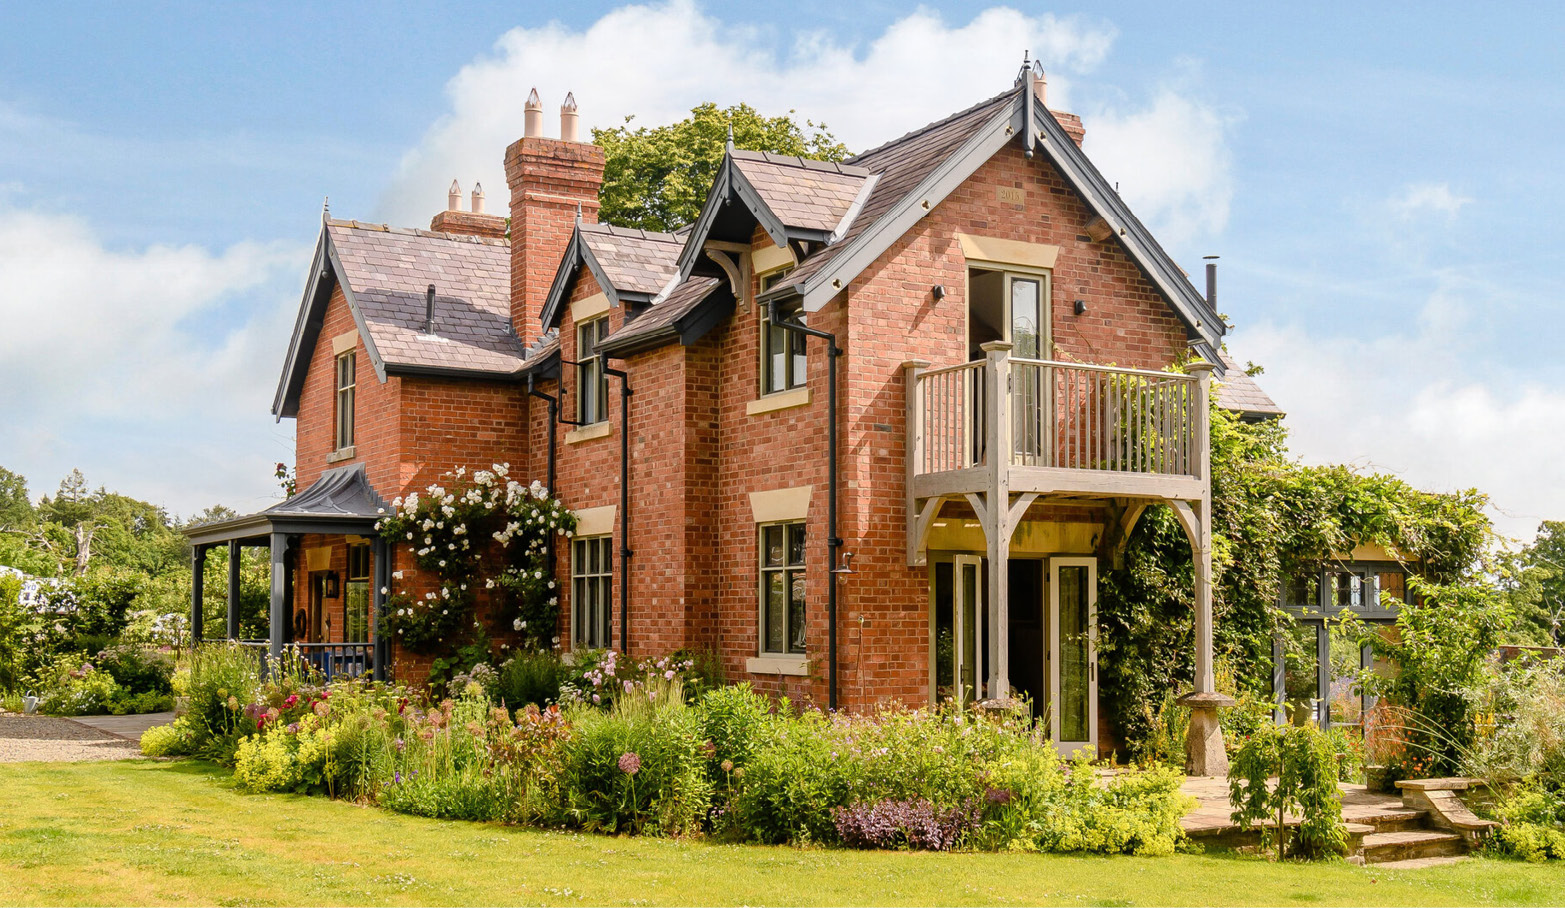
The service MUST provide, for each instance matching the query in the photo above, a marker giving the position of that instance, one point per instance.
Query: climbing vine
(1272, 518)
(471, 532)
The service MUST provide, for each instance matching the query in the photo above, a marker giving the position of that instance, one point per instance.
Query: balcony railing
(1056, 415)
(328, 660)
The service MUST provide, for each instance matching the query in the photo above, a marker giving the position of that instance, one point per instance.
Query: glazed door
(1073, 653)
(968, 617)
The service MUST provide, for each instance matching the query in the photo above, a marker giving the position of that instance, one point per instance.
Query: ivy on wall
(1272, 518)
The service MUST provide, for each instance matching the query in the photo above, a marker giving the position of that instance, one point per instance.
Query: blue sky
(1381, 185)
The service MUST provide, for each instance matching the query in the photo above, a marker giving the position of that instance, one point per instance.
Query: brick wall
(550, 180)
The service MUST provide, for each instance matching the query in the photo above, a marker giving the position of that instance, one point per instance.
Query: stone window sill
(780, 400)
(777, 665)
(588, 433)
(340, 455)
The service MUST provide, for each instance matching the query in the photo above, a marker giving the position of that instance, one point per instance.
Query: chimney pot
(1040, 87)
(478, 198)
(454, 197)
(569, 121)
(533, 116)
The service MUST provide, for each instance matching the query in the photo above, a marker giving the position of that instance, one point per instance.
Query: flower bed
(645, 759)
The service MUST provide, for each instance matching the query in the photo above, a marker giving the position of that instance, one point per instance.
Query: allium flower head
(630, 763)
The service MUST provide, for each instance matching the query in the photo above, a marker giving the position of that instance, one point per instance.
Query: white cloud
(658, 61)
(1418, 201)
(1172, 163)
(1416, 403)
(146, 368)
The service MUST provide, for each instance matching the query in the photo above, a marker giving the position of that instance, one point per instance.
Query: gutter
(833, 541)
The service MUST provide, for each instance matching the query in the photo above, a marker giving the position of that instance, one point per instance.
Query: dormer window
(346, 382)
(592, 385)
(783, 360)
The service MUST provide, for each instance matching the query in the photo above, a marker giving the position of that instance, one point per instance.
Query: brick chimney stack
(549, 179)
(467, 223)
(1068, 121)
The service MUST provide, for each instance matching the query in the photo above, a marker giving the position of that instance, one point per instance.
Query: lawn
(177, 833)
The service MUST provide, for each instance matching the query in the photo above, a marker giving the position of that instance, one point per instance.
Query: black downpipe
(833, 541)
(624, 502)
(554, 423)
(554, 431)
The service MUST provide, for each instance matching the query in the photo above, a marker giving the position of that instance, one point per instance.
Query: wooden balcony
(1005, 426)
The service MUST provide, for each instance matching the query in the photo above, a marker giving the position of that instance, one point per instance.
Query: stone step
(1421, 863)
(1386, 847)
(1392, 820)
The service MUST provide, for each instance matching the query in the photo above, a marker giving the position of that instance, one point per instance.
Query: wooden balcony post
(915, 455)
(1205, 681)
(997, 382)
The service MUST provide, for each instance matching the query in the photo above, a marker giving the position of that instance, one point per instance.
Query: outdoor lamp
(331, 585)
(847, 564)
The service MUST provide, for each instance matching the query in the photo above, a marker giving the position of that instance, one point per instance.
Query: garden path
(44, 738)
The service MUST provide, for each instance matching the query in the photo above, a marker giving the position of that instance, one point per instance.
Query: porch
(340, 507)
(1003, 434)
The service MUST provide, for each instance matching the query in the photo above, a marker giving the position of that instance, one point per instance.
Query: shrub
(736, 722)
(1036, 802)
(638, 767)
(915, 824)
(530, 677)
(1534, 829)
(1305, 764)
(172, 740)
(443, 766)
(223, 679)
(812, 765)
(72, 687)
(137, 669)
(284, 758)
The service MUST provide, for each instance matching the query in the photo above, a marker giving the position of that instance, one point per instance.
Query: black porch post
(233, 589)
(382, 649)
(279, 610)
(197, 592)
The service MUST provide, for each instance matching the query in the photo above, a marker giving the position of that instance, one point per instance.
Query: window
(356, 596)
(782, 351)
(592, 385)
(345, 385)
(1008, 306)
(592, 568)
(782, 588)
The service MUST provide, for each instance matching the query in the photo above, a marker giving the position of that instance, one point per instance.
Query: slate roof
(386, 271)
(634, 261)
(1238, 392)
(901, 165)
(342, 492)
(803, 193)
(661, 321)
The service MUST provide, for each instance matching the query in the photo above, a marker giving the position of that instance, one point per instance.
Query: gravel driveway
(46, 738)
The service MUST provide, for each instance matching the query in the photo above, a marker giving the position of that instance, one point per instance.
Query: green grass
(177, 833)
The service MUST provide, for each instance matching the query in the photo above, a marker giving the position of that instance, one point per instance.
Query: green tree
(657, 178)
(16, 508)
(1536, 587)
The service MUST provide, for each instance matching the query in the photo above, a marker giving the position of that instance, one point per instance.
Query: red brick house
(864, 430)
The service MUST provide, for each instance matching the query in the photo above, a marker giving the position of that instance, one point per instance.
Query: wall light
(1081, 306)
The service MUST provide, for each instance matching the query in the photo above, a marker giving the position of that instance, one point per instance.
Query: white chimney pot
(533, 119)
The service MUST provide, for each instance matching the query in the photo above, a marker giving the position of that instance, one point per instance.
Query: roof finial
(730, 146)
(1021, 74)
(325, 208)
(578, 214)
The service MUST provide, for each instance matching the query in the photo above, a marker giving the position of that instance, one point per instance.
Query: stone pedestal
(1204, 751)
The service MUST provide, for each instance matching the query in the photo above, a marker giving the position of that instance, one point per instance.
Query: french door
(1073, 652)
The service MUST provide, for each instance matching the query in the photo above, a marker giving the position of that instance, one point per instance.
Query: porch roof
(340, 501)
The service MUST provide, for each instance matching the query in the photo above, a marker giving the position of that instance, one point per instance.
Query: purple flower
(998, 795)
(630, 763)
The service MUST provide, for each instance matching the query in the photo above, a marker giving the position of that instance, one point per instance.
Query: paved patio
(1212, 814)
(128, 727)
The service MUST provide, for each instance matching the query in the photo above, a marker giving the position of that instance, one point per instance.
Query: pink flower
(630, 763)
